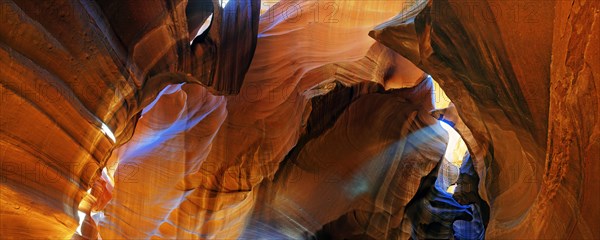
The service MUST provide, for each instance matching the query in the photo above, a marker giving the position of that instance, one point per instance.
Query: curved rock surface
(363, 169)
(252, 140)
(209, 119)
(485, 74)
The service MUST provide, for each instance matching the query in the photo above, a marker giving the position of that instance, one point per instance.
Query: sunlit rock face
(206, 119)
(363, 168)
(62, 81)
(149, 178)
(499, 76)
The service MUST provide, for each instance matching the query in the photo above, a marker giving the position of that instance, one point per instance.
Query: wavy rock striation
(493, 73)
(188, 119)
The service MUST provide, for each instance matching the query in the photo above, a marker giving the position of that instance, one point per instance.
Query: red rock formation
(62, 79)
(172, 140)
(73, 71)
(363, 169)
(137, 87)
(491, 72)
(569, 193)
(253, 139)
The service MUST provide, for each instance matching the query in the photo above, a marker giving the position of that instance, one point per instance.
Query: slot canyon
(311, 119)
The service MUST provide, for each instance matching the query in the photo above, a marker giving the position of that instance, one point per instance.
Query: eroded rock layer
(360, 173)
(205, 119)
(490, 72)
(252, 139)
